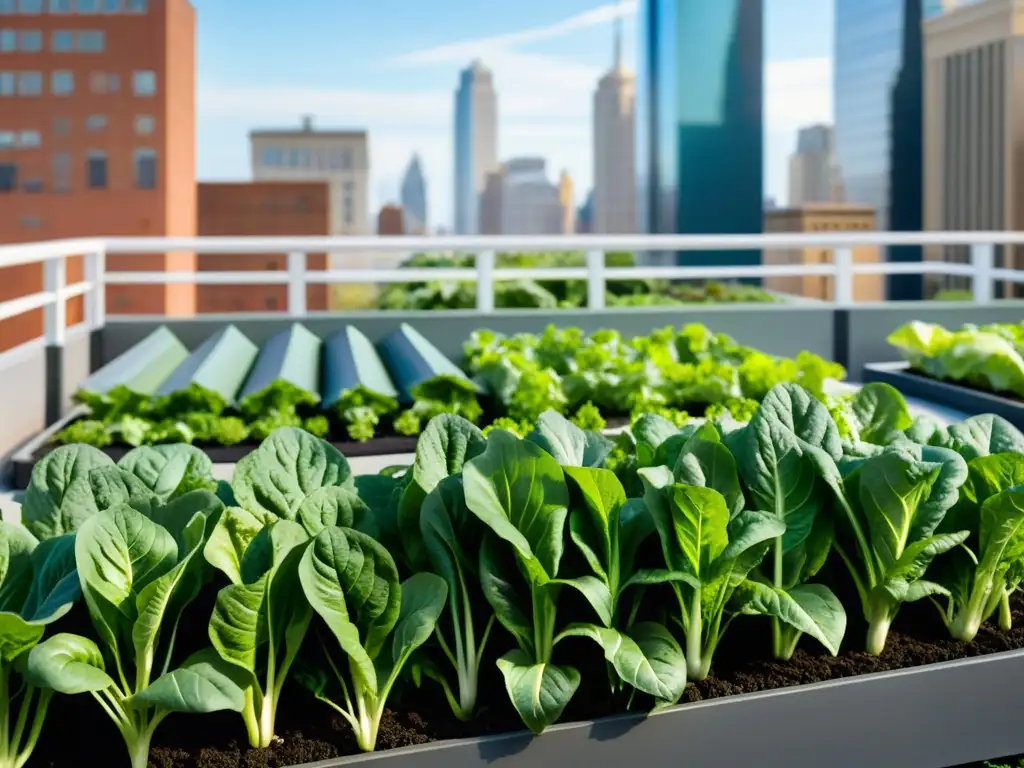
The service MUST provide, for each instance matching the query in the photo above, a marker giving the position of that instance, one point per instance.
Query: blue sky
(390, 66)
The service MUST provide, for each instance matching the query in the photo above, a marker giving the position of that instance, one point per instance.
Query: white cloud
(544, 108)
(465, 50)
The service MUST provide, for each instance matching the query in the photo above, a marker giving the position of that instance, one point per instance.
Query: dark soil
(310, 731)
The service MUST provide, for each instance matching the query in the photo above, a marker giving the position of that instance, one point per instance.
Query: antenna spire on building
(618, 37)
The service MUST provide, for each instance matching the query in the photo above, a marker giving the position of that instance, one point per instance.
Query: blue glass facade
(466, 207)
(879, 104)
(700, 121)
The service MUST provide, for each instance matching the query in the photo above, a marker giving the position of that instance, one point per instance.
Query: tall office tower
(878, 89)
(530, 203)
(700, 121)
(476, 143)
(615, 148)
(972, 177)
(97, 137)
(414, 198)
(813, 175)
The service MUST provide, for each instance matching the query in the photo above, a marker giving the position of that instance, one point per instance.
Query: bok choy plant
(894, 503)
(787, 458)
(981, 576)
(352, 584)
(519, 492)
(38, 585)
(138, 574)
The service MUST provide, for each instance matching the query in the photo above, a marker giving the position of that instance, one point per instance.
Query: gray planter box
(945, 393)
(933, 716)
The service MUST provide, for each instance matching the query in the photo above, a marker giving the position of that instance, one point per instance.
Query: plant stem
(252, 727)
(777, 650)
(694, 657)
(1005, 619)
(878, 632)
(138, 750)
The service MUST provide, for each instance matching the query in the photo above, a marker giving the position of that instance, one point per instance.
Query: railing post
(96, 306)
(595, 280)
(297, 283)
(54, 330)
(485, 281)
(982, 259)
(843, 293)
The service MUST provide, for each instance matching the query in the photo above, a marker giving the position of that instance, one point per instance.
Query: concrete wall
(23, 386)
(767, 327)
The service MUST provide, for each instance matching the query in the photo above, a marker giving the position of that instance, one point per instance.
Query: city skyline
(401, 90)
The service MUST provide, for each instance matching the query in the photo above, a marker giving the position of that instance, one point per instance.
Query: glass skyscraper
(879, 104)
(700, 121)
(476, 143)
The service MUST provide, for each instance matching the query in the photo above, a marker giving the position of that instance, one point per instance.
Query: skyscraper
(476, 143)
(878, 76)
(812, 168)
(614, 148)
(414, 198)
(700, 121)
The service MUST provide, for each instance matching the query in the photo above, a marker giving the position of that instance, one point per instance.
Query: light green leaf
(595, 524)
(650, 431)
(811, 609)
(55, 586)
(17, 635)
(498, 580)
(519, 492)
(880, 412)
(169, 470)
(289, 465)
(539, 692)
(985, 435)
(203, 683)
(67, 664)
(54, 504)
(334, 506)
(709, 464)
(567, 443)
(596, 593)
(423, 598)
(233, 533)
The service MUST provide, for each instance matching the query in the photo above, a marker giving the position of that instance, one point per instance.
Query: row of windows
(144, 125)
(335, 160)
(96, 173)
(86, 7)
(62, 83)
(61, 41)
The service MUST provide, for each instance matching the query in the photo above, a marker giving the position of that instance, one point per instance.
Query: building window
(348, 213)
(61, 181)
(7, 84)
(33, 186)
(61, 126)
(8, 40)
(95, 123)
(62, 83)
(30, 7)
(111, 6)
(60, 6)
(137, 6)
(96, 170)
(29, 139)
(32, 41)
(144, 82)
(8, 177)
(6, 7)
(31, 222)
(30, 83)
(62, 41)
(145, 168)
(92, 41)
(272, 156)
(8, 139)
(113, 83)
(87, 6)
(144, 125)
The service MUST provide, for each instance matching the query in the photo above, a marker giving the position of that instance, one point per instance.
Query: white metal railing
(297, 277)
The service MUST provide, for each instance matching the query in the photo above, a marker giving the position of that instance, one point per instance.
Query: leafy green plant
(138, 574)
(38, 585)
(894, 505)
(351, 582)
(787, 458)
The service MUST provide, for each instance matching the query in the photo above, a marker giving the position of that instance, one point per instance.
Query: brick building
(272, 209)
(97, 138)
(391, 220)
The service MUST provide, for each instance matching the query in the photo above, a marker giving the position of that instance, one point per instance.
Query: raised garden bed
(958, 396)
(927, 702)
(818, 538)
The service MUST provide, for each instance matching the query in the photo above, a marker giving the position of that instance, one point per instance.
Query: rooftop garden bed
(503, 583)
(373, 399)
